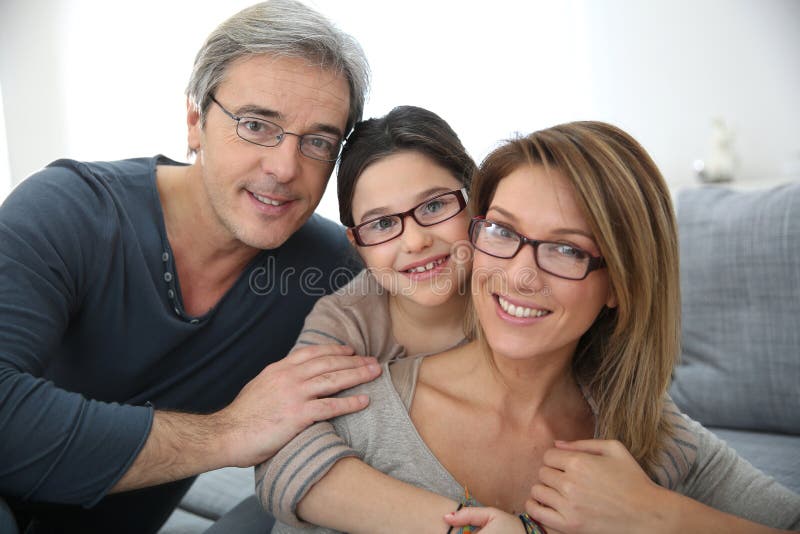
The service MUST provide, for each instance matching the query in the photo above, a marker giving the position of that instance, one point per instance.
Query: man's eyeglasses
(558, 259)
(433, 211)
(266, 133)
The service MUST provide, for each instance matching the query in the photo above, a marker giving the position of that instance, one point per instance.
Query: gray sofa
(740, 368)
(740, 287)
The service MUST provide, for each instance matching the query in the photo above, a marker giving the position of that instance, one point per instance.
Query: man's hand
(288, 396)
(271, 409)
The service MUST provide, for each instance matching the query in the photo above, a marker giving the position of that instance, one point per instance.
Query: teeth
(427, 267)
(520, 311)
(265, 200)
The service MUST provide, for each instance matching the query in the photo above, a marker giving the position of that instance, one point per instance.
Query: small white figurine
(720, 165)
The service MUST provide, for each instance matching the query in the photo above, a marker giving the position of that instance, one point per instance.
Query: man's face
(260, 195)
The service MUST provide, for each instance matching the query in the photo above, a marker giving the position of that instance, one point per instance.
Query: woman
(576, 307)
(402, 187)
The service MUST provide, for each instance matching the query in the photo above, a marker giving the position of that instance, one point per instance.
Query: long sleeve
(358, 316)
(723, 480)
(56, 445)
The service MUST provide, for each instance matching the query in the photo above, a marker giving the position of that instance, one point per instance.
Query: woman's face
(423, 264)
(540, 206)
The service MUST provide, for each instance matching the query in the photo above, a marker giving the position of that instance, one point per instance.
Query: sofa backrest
(740, 288)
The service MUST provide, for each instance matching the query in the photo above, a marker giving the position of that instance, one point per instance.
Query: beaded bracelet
(466, 500)
(531, 526)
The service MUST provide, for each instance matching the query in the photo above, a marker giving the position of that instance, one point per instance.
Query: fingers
(591, 446)
(321, 409)
(331, 382)
(477, 517)
(310, 352)
(326, 364)
(549, 495)
(544, 515)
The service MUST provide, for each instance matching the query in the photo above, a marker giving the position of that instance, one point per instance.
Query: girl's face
(555, 312)
(423, 264)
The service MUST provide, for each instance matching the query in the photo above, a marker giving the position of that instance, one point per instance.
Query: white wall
(93, 79)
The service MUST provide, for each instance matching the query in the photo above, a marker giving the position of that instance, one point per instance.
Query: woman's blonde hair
(627, 355)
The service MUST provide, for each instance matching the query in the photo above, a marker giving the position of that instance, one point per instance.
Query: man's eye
(320, 143)
(253, 126)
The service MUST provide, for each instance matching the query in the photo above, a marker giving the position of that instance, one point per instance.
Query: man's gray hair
(285, 28)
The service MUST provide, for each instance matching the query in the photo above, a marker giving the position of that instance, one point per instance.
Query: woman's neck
(427, 329)
(524, 389)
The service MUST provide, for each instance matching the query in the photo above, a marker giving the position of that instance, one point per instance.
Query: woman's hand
(490, 520)
(594, 486)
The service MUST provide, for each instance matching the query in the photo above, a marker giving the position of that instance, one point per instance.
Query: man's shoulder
(102, 169)
(67, 179)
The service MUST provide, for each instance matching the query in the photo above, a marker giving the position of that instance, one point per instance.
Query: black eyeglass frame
(280, 137)
(462, 204)
(595, 262)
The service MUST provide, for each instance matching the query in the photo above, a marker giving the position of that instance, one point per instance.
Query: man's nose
(283, 160)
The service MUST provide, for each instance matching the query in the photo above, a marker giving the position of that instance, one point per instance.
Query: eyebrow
(249, 110)
(419, 198)
(558, 231)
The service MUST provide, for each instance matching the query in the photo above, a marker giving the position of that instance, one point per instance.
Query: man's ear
(194, 126)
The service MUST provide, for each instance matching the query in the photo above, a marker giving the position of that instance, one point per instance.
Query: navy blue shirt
(93, 335)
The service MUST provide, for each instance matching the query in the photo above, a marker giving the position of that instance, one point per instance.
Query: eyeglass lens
(266, 133)
(559, 259)
(430, 212)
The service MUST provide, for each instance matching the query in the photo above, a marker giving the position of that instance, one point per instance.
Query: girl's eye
(382, 224)
(434, 206)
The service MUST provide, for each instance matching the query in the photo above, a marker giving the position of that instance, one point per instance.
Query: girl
(402, 187)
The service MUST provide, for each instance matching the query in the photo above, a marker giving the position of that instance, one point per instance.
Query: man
(135, 295)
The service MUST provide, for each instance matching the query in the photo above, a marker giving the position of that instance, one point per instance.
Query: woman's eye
(570, 252)
(503, 233)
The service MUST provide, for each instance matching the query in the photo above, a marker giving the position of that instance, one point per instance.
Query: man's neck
(208, 259)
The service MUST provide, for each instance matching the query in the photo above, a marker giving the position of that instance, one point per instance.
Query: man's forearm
(282, 400)
(179, 446)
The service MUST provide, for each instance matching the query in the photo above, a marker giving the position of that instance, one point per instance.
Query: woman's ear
(611, 301)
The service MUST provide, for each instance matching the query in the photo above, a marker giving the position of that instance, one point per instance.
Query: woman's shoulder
(679, 446)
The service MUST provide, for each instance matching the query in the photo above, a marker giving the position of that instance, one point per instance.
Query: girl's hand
(489, 520)
(594, 486)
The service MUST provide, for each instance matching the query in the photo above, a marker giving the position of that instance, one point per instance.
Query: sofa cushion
(774, 454)
(211, 496)
(740, 285)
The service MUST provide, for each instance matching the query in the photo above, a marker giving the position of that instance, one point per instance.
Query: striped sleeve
(282, 482)
(679, 450)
